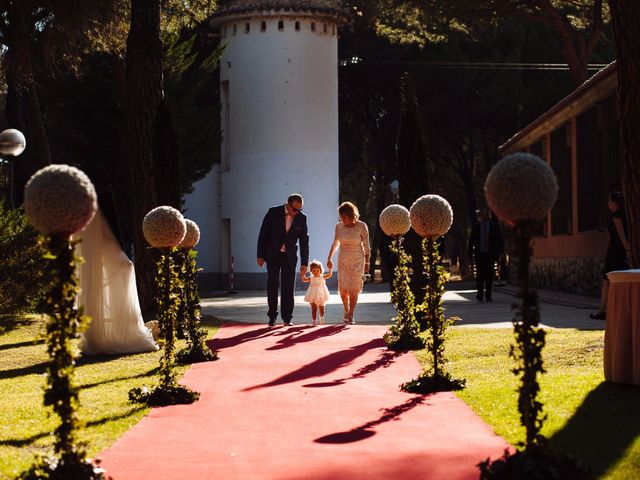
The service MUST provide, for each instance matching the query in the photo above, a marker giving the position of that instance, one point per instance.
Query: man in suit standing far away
(282, 228)
(485, 246)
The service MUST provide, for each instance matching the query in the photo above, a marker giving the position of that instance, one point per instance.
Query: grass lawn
(594, 421)
(25, 425)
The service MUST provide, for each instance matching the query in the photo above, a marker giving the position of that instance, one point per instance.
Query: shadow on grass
(35, 369)
(25, 442)
(602, 428)
(30, 343)
(148, 373)
(41, 367)
(12, 322)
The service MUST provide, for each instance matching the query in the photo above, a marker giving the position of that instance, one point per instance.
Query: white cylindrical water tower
(279, 95)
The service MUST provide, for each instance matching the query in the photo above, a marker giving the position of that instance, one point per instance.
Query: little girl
(318, 293)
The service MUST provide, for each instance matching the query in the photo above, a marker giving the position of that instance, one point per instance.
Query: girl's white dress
(317, 292)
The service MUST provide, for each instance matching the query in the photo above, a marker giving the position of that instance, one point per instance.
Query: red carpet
(305, 403)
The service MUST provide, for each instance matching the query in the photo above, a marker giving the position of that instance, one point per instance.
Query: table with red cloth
(622, 328)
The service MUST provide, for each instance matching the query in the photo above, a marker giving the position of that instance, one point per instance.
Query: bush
(22, 271)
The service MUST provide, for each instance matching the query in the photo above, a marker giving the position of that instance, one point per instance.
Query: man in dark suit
(283, 227)
(485, 246)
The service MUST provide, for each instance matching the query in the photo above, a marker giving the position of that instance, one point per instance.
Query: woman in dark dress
(617, 256)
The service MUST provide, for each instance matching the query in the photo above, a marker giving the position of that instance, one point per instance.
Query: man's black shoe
(288, 323)
(272, 323)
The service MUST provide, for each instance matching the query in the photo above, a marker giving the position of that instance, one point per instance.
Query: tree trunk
(167, 159)
(412, 162)
(626, 23)
(144, 94)
(23, 105)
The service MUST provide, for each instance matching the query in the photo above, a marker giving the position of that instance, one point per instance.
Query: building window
(333, 29)
(324, 28)
(280, 25)
(561, 213)
(247, 27)
(313, 26)
(224, 32)
(297, 26)
(263, 26)
(235, 29)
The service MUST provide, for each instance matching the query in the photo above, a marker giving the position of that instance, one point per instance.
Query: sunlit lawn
(596, 422)
(25, 425)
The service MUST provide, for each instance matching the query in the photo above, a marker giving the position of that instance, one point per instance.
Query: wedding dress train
(109, 295)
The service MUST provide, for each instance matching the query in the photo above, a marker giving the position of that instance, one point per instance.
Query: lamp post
(12, 144)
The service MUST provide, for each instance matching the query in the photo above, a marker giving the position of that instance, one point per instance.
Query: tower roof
(243, 8)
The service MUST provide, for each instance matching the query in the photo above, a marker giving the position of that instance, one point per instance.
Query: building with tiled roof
(578, 138)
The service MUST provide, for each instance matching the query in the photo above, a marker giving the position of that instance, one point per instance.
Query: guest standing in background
(485, 246)
(617, 256)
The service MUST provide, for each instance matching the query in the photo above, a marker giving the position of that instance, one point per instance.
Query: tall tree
(17, 30)
(41, 38)
(626, 22)
(143, 95)
(578, 24)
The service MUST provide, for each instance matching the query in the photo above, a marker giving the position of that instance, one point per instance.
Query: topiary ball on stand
(164, 228)
(405, 334)
(60, 200)
(431, 218)
(521, 189)
(189, 314)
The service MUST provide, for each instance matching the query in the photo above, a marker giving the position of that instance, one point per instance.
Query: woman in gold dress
(352, 240)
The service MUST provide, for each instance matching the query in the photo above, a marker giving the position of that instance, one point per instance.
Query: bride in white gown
(109, 295)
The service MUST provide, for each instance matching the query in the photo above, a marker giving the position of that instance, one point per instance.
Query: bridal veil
(109, 294)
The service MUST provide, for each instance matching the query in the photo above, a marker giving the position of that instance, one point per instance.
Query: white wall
(202, 206)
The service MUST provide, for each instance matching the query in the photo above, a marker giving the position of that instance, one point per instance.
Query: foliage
(49, 468)
(191, 87)
(161, 396)
(22, 272)
(533, 464)
(405, 334)
(595, 421)
(104, 380)
(530, 339)
(428, 383)
(435, 379)
(189, 316)
(578, 25)
(168, 284)
(65, 322)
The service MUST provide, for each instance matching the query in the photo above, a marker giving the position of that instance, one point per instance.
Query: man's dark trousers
(281, 273)
(484, 274)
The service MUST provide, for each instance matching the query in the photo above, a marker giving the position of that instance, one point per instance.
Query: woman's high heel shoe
(598, 316)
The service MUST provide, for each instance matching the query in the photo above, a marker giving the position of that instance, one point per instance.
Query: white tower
(279, 95)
